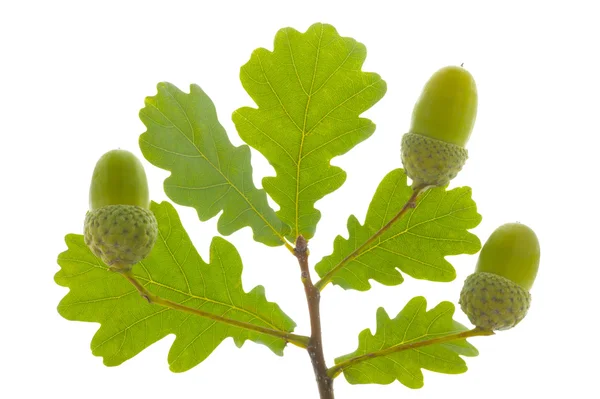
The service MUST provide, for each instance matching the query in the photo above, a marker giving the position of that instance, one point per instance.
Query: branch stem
(411, 203)
(340, 367)
(315, 343)
(298, 340)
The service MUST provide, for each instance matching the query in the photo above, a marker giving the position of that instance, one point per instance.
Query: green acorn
(433, 152)
(496, 296)
(119, 228)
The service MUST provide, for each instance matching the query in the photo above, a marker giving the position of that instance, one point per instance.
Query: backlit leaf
(413, 324)
(310, 91)
(174, 271)
(417, 244)
(208, 173)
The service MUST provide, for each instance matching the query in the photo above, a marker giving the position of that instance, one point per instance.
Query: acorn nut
(496, 296)
(119, 228)
(433, 152)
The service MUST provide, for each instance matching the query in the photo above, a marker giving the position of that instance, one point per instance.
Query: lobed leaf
(413, 324)
(310, 91)
(174, 271)
(208, 173)
(416, 244)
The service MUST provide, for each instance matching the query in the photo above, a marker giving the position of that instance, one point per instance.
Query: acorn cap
(431, 162)
(493, 302)
(120, 235)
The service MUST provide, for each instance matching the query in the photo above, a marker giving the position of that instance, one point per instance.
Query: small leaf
(413, 324)
(415, 244)
(174, 271)
(185, 137)
(310, 92)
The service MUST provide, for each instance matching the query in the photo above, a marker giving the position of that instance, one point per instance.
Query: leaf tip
(160, 86)
(420, 301)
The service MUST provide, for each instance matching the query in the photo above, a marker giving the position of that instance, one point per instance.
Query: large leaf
(208, 173)
(416, 244)
(174, 271)
(413, 324)
(310, 92)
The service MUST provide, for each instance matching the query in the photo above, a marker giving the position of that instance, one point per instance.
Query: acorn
(433, 152)
(119, 227)
(496, 296)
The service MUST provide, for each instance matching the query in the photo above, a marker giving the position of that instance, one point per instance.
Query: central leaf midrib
(303, 133)
(192, 296)
(231, 306)
(380, 243)
(404, 341)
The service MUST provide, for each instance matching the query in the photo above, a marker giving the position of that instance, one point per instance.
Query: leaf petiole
(298, 340)
(340, 367)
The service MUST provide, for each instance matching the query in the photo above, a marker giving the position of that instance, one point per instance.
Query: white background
(74, 76)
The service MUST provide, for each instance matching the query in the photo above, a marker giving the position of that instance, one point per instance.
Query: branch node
(301, 246)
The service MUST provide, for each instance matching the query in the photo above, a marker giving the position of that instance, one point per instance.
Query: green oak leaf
(310, 92)
(208, 173)
(416, 244)
(174, 271)
(413, 324)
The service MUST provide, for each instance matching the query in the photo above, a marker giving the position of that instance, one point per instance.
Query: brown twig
(315, 343)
